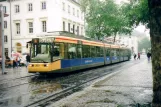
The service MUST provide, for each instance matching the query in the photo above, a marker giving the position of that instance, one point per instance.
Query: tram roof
(66, 34)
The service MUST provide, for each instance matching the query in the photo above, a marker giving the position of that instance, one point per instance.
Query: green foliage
(144, 44)
(138, 12)
(104, 18)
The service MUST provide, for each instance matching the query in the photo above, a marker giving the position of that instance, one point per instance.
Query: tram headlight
(46, 65)
(31, 65)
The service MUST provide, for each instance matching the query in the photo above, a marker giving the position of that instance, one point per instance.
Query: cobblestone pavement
(130, 87)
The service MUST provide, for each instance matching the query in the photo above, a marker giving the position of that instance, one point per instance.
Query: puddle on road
(48, 89)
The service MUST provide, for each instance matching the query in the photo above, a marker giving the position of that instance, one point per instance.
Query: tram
(60, 52)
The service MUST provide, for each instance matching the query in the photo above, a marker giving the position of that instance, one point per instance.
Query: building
(28, 18)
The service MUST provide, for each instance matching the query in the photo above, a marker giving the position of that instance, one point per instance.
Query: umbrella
(16, 54)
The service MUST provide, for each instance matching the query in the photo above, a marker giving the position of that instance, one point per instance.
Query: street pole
(10, 25)
(2, 37)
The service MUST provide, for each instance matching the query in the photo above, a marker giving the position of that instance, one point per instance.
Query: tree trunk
(156, 69)
(155, 33)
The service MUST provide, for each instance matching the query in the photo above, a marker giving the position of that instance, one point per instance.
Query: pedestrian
(16, 61)
(138, 56)
(134, 56)
(148, 55)
(27, 59)
(19, 61)
(0, 61)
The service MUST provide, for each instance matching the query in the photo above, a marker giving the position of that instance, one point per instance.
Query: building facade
(28, 18)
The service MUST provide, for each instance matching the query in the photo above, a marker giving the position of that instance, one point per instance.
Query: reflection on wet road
(28, 88)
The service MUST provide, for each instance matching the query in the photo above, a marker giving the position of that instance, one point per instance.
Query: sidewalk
(13, 73)
(130, 87)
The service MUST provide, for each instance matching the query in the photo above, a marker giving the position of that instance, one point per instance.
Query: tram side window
(56, 50)
(79, 51)
(120, 52)
(33, 50)
(62, 50)
(101, 52)
(126, 52)
(97, 51)
(113, 53)
(65, 50)
(72, 54)
(107, 52)
(86, 51)
(93, 51)
(117, 52)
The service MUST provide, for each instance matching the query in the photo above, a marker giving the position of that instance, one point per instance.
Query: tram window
(101, 51)
(107, 52)
(33, 50)
(79, 51)
(93, 51)
(61, 50)
(65, 50)
(122, 52)
(113, 52)
(56, 50)
(86, 51)
(117, 52)
(97, 51)
(72, 51)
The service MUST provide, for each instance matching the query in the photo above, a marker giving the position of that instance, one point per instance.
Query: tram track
(71, 82)
(67, 91)
(20, 78)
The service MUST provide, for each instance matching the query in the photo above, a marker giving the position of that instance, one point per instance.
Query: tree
(144, 44)
(155, 33)
(104, 18)
(148, 12)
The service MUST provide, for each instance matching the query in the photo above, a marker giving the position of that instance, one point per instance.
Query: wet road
(19, 89)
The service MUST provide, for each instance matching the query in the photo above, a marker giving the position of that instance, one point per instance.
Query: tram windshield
(41, 52)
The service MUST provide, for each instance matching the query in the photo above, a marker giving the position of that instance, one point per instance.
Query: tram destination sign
(46, 40)
(43, 40)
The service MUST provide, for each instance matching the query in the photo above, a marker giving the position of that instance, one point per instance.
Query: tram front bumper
(39, 67)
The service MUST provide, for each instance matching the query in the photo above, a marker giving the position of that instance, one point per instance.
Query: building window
(17, 28)
(30, 24)
(74, 29)
(5, 24)
(63, 6)
(77, 30)
(6, 51)
(5, 39)
(30, 7)
(43, 5)
(68, 27)
(63, 26)
(82, 15)
(77, 13)
(68, 9)
(43, 26)
(81, 30)
(73, 11)
(17, 9)
(4, 9)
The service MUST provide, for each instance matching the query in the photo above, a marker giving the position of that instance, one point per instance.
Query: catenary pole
(10, 25)
(2, 37)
